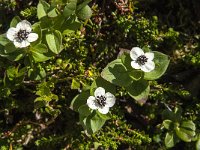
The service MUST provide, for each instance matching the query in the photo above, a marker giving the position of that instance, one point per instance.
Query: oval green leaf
(70, 8)
(188, 125)
(3, 39)
(84, 13)
(116, 73)
(54, 41)
(42, 8)
(184, 134)
(167, 124)
(94, 123)
(161, 63)
(198, 144)
(169, 140)
(15, 21)
(10, 47)
(79, 100)
(139, 90)
(39, 52)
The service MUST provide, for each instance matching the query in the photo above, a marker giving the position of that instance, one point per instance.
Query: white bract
(101, 100)
(22, 36)
(141, 60)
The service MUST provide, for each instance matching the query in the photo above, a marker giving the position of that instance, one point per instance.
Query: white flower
(101, 100)
(141, 60)
(22, 35)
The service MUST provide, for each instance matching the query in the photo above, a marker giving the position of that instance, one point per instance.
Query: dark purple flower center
(141, 60)
(101, 100)
(22, 35)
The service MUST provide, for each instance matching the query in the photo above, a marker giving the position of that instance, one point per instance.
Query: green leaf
(71, 24)
(37, 73)
(116, 73)
(45, 94)
(75, 84)
(39, 52)
(189, 132)
(14, 72)
(52, 13)
(68, 32)
(4, 40)
(70, 8)
(84, 110)
(157, 138)
(169, 140)
(167, 124)
(139, 90)
(15, 21)
(95, 123)
(136, 74)
(84, 13)
(54, 41)
(96, 145)
(14, 56)
(21, 72)
(61, 23)
(11, 72)
(79, 100)
(40, 48)
(46, 23)
(100, 82)
(17, 55)
(126, 59)
(80, 6)
(10, 47)
(161, 63)
(188, 125)
(146, 48)
(37, 29)
(82, 120)
(58, 22)
(198, 144)
(90, 121)
(43, 89)
(185, 134)
(42, 9)
(104, 116)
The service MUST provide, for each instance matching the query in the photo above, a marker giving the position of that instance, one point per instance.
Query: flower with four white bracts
(101, 100)
(22, 36)
(141, 60)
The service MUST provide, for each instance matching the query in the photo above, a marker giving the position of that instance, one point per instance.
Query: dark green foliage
(116, 133)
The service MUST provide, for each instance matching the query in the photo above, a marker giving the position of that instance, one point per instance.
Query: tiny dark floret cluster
(22, 35)
(101, 100)
(141, 60)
